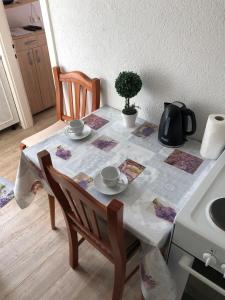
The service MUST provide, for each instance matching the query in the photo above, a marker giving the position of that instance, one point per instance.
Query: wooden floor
(33, 258)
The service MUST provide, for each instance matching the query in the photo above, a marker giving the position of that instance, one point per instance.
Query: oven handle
(186, 262)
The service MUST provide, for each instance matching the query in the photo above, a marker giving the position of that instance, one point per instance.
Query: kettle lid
(179, 104)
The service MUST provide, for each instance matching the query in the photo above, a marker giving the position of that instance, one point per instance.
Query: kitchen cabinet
(8, 112)
(33, 57)
(44, 73)
(29, 73)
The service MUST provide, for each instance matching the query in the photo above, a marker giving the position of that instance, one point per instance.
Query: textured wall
(177, 46)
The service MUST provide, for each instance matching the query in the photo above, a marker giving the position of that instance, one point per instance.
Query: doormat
(6, 191)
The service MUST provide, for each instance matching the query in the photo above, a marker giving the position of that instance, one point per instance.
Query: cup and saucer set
(110, 181)
(77, 130)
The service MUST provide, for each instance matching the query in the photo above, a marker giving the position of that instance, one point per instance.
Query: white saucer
(86, 131)
(104, 189)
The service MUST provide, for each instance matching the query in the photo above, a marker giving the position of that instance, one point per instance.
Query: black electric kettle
(175, 123)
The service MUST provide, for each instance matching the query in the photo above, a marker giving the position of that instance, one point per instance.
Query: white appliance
(8, 112)
(197, 254)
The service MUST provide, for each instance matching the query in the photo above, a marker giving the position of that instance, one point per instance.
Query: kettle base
(171, 146)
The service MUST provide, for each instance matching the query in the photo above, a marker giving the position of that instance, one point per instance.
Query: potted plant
(127, 85)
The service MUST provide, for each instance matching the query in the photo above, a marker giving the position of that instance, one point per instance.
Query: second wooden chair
(73, 86)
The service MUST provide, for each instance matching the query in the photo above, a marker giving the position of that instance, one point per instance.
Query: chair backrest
(85, 213)
(78, 85)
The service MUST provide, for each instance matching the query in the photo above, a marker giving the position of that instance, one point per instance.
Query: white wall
(177, 46)
(20, 16)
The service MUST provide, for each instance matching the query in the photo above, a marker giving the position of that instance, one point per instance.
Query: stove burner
(217, 212)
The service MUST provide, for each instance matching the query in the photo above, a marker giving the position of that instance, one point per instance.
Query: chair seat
(131, 242)
(43, 134)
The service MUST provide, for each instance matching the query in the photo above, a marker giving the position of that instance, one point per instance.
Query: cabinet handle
(37, 56)
(29, 58)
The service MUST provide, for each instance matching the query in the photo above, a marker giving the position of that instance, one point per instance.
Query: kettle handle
(190, 113)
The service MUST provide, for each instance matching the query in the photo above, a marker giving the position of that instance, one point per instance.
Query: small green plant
(128, 85)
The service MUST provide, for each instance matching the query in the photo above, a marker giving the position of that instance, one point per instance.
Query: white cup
(76, 126)
(110, 176)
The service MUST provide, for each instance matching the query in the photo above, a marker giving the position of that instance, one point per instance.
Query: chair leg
(73, 247)
(51, 201)
(119, 282)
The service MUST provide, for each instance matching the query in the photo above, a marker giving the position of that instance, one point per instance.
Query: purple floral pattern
(6, 191)
(184, 161)
(145, 130)
(83, 180)
(164, 212)
(63, 153)
(36, 186)
(131, 169)
(95, 122)
(5, 198)
(148, 280)
(105, 143)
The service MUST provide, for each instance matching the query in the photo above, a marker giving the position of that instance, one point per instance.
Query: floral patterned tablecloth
(161, 181)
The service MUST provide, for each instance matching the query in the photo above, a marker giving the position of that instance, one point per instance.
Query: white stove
(197, 254)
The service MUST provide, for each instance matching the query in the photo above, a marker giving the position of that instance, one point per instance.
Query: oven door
(195, 281)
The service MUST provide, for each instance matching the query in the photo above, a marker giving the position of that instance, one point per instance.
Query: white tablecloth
(160, 185)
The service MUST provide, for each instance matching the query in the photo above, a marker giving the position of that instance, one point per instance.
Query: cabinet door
(8, 112)
(30, 78)
(45, 76)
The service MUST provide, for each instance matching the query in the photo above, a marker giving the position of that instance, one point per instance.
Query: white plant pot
(129, 120)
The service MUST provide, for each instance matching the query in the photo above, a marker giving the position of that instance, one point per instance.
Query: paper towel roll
(213, 142)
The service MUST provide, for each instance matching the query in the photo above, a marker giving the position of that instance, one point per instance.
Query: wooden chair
(100, 225)
(78, 85)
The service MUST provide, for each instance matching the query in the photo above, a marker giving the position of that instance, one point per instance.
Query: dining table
(161, 181)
